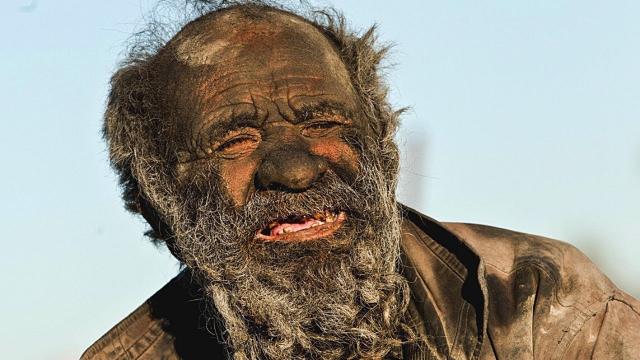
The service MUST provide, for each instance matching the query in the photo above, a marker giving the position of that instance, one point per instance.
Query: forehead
(236, 33)
(232, 60)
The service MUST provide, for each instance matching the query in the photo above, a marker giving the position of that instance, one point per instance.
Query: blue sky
(524, 115)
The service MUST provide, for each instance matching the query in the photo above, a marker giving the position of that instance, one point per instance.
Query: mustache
(330, 192)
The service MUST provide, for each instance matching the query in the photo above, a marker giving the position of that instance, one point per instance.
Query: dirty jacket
(478, 292)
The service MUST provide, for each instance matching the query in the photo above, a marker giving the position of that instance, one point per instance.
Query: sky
(522, 115)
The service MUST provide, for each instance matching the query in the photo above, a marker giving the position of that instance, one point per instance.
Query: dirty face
(270, 107)
(280, 201)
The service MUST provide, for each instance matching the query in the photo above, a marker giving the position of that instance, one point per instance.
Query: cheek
(338, 153)
(238, 178)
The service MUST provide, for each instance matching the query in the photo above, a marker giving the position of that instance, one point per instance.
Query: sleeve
(612, 333)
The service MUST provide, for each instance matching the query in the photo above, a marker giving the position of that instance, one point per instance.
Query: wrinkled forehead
(236, 56)
(239, 34)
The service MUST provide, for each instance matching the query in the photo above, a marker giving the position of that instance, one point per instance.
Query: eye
(320, 128)
(235, 142)
(237, 145)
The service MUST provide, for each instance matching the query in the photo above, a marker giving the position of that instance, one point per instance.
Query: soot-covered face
(281, 206)
(269, 112)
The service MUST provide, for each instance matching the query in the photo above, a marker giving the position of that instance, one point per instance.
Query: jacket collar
(447, 279)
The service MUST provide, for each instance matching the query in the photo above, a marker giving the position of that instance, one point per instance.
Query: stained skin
(267, 100)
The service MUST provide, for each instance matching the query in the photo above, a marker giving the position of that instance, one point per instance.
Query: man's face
(271, 105)
(273, 152)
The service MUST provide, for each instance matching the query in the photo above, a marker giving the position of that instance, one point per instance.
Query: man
(258, 144)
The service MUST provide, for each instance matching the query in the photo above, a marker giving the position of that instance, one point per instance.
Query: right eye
(237, 145)
(233, 143)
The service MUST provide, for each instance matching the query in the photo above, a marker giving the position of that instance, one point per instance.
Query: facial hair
(334, 298)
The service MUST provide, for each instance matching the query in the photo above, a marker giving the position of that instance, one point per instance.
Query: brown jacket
(478, 292)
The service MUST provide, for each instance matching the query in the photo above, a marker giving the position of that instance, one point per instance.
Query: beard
(339, 297)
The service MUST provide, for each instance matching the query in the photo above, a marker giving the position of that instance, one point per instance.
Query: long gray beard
(338, 298)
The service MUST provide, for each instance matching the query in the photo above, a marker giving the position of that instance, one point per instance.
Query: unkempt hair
(348, 301)
(135, 122)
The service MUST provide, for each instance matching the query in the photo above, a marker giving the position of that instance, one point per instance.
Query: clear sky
(524, 115)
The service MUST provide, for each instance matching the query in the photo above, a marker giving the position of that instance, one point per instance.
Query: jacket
(478, 292)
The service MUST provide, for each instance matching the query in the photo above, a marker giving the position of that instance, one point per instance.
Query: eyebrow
(309, 111)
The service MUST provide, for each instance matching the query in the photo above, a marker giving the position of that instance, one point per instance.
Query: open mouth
(297, 227)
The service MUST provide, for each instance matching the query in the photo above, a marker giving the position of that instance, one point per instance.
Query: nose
(292, 170)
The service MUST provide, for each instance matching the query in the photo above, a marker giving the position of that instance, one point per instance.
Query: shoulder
(550, 291)
(128, 339)
(171, 324)
(569, 272)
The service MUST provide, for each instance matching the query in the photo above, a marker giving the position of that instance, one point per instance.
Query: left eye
(319, 128)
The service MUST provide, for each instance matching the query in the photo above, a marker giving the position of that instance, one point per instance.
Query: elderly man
(258, 144)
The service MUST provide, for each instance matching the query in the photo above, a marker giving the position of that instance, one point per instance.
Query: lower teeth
(320, 219)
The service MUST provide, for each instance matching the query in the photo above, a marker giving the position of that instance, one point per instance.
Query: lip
(316, 232)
